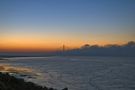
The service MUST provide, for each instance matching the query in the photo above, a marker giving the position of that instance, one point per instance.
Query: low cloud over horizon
(125, 50)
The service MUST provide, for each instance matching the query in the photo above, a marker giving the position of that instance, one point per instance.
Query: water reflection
(18, 71)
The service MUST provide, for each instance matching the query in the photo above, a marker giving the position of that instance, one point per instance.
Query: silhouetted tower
(63, 48)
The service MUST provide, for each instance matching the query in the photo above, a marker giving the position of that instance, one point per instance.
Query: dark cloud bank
(127, 50)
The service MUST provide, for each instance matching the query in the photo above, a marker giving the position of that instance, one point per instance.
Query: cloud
(127, 49)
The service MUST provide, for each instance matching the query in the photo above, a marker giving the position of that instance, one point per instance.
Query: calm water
(76, 73)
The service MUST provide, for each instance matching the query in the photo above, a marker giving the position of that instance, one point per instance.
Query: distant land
(127, 50)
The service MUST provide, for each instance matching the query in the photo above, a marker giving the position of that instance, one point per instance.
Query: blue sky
(69, 12)
(82, 19)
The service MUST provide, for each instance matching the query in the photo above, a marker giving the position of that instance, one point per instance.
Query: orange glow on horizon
(31, 43)
(44, 47)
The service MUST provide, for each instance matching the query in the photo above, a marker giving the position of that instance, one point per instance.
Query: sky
(45, 25)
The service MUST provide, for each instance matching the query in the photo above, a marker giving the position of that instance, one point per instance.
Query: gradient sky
(48, 24)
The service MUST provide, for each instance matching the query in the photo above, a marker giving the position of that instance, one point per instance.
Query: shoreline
(3, 58)
(8, 82)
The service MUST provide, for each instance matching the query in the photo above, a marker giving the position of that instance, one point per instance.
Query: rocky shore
(8, 82)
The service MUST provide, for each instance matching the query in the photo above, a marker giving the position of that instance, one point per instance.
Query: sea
(75, 73)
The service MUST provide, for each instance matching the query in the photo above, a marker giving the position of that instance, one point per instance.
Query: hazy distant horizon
(113, 50)
(66, 47)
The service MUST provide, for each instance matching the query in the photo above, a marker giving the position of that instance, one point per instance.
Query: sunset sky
(45, 25)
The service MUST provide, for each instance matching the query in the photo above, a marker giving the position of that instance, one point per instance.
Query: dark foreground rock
(8, 82)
